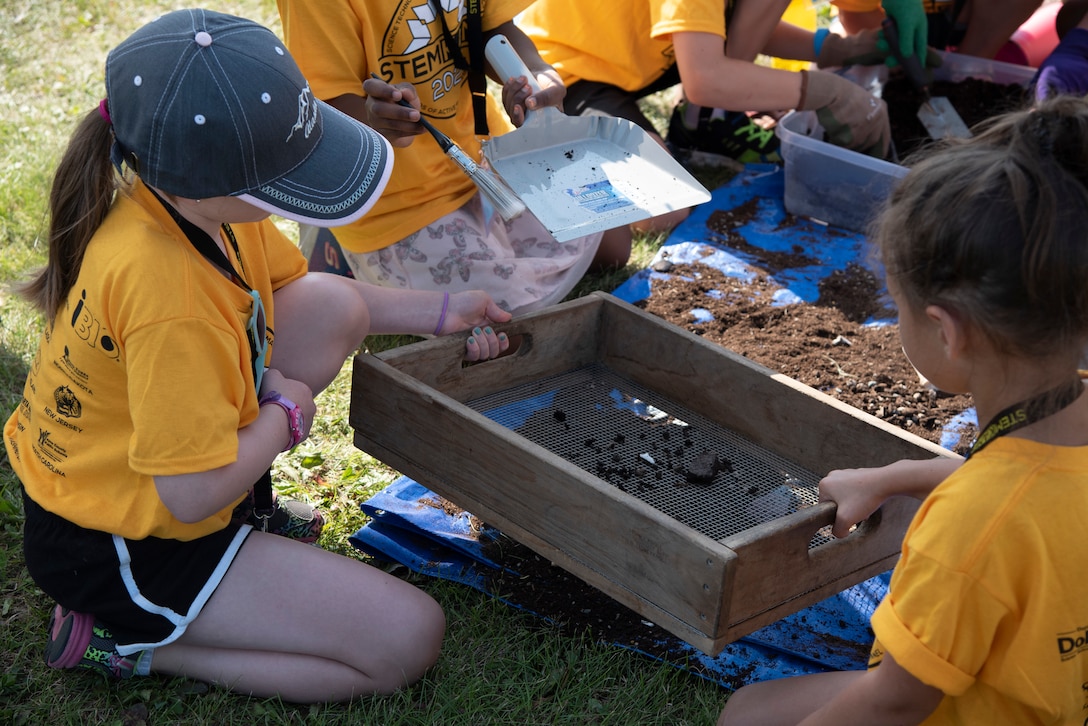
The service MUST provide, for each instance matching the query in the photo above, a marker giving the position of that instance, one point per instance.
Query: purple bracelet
(442, 317)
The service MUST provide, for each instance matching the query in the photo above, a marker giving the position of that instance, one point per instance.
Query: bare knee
(784, 700)
(418, 644)
(614, 250)
(662, 222)
(431, 632)
(320, 320)
(735, 708)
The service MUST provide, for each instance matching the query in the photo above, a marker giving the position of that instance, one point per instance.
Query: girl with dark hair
(984, 622)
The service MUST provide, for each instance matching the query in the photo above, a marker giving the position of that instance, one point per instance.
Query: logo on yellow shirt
(1072, 643)
(67, 403)
(88, 328)
(413, 50)
(876, 655)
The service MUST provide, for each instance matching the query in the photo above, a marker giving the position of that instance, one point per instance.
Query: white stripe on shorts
(180, 621)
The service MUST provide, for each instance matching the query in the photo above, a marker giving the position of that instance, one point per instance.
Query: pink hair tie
(103, 111)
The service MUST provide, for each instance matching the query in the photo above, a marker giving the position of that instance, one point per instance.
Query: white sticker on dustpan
(599, 197)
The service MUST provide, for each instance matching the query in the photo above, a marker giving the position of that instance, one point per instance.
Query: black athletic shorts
(145, 591)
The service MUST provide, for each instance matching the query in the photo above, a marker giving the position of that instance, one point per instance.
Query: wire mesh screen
(682, 464)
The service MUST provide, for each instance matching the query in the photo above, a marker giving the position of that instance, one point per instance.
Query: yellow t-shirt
(145, 371)
(338, 44)
(858, 6)
(987, 602)
(629, 47)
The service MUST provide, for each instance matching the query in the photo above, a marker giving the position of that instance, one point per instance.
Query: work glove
(1065, 70)
(851, 116)
(910, 18)
(862, 49)
(867, 48)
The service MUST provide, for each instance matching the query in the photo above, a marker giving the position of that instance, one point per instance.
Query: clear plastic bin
(846, 188)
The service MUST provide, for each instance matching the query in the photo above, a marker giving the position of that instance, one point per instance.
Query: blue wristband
(818, 39)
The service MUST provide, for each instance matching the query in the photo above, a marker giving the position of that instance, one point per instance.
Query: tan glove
(850, 115)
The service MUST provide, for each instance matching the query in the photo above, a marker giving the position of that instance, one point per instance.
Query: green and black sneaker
(720, 133)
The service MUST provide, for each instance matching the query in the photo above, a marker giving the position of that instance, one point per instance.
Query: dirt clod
(703, 468)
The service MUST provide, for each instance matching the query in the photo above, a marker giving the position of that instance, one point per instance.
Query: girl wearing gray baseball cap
(185, 342)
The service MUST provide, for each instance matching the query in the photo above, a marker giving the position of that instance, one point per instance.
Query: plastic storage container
(846, 188)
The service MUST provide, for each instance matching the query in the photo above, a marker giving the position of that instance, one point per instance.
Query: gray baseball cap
(206, 105)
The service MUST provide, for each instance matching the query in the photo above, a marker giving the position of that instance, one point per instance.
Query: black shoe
(730, 134)
(291, 518)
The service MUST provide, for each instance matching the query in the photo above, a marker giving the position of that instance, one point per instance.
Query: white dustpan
(583, 174)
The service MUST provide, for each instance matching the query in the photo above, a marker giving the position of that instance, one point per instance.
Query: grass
(498, 666)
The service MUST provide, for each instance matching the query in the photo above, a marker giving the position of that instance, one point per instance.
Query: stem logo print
(413, 50)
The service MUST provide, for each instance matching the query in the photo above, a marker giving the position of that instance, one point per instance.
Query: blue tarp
(769, 229)
(409, 526)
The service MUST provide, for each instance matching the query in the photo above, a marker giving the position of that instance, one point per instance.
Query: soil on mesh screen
(824, 345)
(974, 99)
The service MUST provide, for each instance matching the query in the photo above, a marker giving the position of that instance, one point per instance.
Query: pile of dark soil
(825, 345)
(974, 99)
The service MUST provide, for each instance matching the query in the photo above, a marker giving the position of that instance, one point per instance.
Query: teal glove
(866, 48)
(862, 49)
(910, 16)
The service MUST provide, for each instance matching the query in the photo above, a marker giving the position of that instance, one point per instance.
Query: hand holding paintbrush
(387, 110)
(505, 201)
